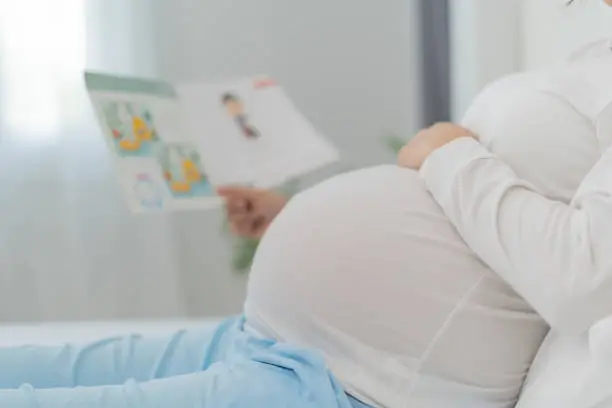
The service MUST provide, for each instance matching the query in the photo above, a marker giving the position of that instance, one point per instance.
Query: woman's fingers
(250, 210)
(228, 191)
(237, 206)
(247, 225)
(244, 193)
(258, 225)
(238, 199)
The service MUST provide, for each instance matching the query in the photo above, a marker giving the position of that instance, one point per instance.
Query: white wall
(552, 30)
(119, 37)
(348, 64)
(486, 44)
(492, 38)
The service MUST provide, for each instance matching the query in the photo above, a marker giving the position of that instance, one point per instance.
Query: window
(42, 52)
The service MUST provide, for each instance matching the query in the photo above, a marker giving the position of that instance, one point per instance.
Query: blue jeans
(221, 368)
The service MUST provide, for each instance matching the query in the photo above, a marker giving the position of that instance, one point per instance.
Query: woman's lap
(221, 385)
(219, 368)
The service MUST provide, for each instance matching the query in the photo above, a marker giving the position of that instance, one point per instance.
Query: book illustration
(263, 83)
(236, 110)
(182, 170)
(132, 128)
(148, 192)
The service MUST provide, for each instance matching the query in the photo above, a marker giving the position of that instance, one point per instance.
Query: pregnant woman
(366, 269)
(362, 292)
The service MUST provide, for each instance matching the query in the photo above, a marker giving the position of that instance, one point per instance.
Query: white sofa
(79, 332)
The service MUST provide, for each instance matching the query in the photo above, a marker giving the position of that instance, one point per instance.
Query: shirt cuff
(441, 168)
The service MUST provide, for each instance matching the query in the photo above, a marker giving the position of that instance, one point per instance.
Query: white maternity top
(366, 268)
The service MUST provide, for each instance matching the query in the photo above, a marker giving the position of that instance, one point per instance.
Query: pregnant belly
(368, 258)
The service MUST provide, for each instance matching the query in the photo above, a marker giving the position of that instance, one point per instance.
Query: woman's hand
(418, 149)
(249, 210)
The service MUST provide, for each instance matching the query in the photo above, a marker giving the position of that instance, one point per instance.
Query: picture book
(173, 144)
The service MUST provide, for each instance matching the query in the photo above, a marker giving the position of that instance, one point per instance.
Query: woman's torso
(365, 267)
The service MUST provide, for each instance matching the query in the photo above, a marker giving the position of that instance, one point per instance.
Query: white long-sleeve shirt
(550, 241)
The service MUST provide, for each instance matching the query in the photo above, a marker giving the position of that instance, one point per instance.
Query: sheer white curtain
(68, 247)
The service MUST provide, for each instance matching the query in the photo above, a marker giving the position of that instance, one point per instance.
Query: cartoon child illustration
(176, 172)
(235, 108)
(132, 127)
(129, 140)
(140, 128)
(182, 171)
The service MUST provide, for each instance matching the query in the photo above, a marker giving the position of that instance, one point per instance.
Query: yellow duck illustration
(128, 140)
(191, 171)
(141, 129)
(180, 187)
(179, 181)
(130, 143)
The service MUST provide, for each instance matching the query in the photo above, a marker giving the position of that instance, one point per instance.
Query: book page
(171, 145)
(251, 125)
(158, 165)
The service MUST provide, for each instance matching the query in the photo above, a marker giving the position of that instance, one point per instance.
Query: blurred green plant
(243, 253)
(394, 142)
(244, 249)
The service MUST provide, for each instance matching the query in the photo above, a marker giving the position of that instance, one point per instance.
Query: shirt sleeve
(558, 257)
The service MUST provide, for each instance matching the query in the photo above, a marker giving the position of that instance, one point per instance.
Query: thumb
(236, 191)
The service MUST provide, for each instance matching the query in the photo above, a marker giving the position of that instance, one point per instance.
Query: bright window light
(42, 51)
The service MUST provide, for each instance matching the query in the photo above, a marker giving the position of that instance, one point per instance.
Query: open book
(173, 143)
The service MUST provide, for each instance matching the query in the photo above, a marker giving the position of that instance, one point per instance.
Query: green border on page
(95, 81)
